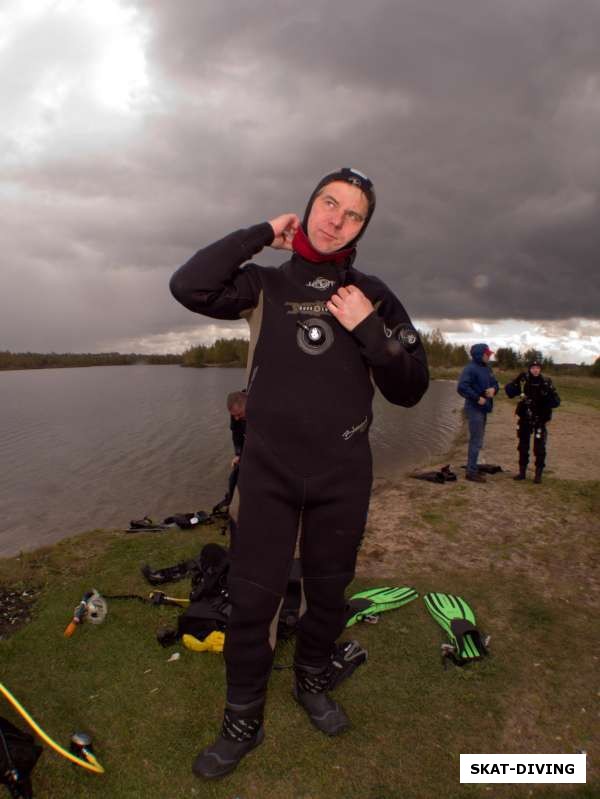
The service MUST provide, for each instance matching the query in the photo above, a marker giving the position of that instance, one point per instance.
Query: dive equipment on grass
(148, 525)
(486, 468)
(366, 605)
(346, 658)
(169, 574)
(92, 608)
(457, 619)
(208, 607)
(444, 475)
(81, 743)
(208, 571)
(86, 758)
(183, 521)
(213, 642)
(160, 598)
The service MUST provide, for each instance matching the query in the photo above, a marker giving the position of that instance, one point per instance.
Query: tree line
(508, 358)
(442, 353)
(233, 352)
(54, 360)
(224, 352)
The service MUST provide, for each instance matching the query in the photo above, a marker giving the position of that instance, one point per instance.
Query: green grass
(581, 391)
(440, 522)
(445, 372)
(581, 496)
(411, 718)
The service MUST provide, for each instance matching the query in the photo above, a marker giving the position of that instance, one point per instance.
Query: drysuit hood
(478, 351)
(301, 243)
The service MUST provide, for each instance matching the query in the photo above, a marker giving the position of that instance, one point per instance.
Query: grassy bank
(524, 556)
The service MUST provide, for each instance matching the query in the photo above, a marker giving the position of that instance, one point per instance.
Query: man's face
(486, 356)
(535, 370)
(238, 412)
(337, 216)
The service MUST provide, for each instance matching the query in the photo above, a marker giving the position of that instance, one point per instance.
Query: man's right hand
(235, 461)
(482, 400)
(285, 228)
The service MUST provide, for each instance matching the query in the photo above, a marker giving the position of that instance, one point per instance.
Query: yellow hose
(91, 764)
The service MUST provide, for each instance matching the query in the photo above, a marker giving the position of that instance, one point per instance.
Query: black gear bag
(209, 607)
(18, 755)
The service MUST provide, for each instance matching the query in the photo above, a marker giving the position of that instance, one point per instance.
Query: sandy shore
(415, 525)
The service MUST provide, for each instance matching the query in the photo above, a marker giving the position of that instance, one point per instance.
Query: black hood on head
(356, 178)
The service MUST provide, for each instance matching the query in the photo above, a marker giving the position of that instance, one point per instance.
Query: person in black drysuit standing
(320, 332)
(538, 397)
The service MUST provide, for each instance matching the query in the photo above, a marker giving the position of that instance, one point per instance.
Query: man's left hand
(489, 392)
(350, 306)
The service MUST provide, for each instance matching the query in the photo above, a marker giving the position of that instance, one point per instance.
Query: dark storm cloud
(478, 122)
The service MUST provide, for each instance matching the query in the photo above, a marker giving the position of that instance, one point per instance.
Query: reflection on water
(96, 447)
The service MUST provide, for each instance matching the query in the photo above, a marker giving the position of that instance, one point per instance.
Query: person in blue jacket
(478, 386)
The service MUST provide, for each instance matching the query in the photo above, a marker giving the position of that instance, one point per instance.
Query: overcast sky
(135, 132)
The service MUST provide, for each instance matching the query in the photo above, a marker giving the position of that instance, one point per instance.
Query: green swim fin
(457, 619)
(375, 600)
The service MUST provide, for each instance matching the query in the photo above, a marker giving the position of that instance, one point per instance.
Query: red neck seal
(302, 247)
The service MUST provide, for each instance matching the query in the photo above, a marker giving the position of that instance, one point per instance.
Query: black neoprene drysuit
(306, 465)
(534, 411)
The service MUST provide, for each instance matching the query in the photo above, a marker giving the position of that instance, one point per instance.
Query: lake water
(95, 447)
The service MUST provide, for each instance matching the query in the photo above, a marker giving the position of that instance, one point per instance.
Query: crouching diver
(319, 331)
(538, 397)
(236, 405)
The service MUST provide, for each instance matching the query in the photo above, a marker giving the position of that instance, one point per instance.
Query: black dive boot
(310, 691)
(242, 731)
(522, 472)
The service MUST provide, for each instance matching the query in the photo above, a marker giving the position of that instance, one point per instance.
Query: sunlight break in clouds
(74, 69)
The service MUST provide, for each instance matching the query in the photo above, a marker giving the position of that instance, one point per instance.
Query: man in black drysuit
(538, 397)
(319, 331)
